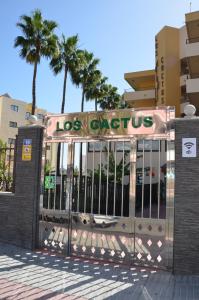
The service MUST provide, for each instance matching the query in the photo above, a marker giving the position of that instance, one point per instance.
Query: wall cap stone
(31, 126)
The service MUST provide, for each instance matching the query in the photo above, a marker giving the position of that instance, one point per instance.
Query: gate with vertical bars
(109, 196)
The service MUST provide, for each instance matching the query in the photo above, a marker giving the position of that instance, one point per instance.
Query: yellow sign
(27, 150)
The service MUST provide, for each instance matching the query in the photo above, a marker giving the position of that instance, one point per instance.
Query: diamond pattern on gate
(123, 254)
(149, 257)
(102, 251)
(75, 247)
(159, 258)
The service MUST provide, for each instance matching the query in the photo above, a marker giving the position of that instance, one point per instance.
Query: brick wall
(186, 225)
(19, 211)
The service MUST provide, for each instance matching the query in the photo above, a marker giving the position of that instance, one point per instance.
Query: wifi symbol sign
(189, 147)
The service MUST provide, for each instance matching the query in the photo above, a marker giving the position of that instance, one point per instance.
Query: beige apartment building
(175, 79)
(13, 114)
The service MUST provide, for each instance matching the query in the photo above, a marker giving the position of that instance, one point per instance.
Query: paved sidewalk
(36, 275)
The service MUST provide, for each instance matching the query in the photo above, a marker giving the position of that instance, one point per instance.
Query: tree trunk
(82, 104)
(62, 111)
(34, 88)
(95, 104)
(64, 90)
(80, 154)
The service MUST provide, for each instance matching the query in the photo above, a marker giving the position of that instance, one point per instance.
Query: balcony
(192, 56)
(183, 79)
(192, 85)
(192, 24)
(144, 98)
(142, 80)
(192, 90)
(192, 49)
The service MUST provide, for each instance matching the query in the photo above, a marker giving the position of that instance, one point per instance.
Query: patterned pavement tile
(37, 275)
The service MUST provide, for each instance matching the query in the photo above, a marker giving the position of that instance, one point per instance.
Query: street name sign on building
(109, 124)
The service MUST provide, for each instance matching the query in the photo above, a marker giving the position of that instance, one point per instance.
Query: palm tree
(38, 40)
(84, 76)
(96, 90)
(86, 73)
(65, 60)
(111, 98)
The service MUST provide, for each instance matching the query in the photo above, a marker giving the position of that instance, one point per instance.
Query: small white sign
(189, 147)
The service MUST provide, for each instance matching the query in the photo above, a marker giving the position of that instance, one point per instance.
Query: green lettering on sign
(94, 124)
(125, 122)
(104, 124)
(136, 122)
(77, 125)
(68, 125)
(58, 128)
(148, 121)
(115, 123)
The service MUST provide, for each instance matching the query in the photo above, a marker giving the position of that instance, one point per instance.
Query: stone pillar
(186, 225)
(19, 212)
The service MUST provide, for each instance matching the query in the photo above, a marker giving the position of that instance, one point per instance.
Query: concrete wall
(186, 227)
(19, 211)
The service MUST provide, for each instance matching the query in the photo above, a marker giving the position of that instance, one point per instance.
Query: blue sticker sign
(27, 142)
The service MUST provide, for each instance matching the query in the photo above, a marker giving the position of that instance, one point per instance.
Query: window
(14, 107)
(148, 145)
(11, 141)
(122, 145)
(27, 116)
(97, 146)
(13, 124)
(40, 116)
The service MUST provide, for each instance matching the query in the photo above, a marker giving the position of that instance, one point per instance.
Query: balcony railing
(192, 40)
(131, 95)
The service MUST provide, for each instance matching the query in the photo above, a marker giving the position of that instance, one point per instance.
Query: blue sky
(119, 32)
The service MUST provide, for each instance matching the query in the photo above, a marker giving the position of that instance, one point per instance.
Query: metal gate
(110, 199)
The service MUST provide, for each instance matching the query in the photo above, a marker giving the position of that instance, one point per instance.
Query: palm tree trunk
(82, 104)
(34, 88)
(95, 104)
(80, 160)
(64, 90)
(62, 111)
